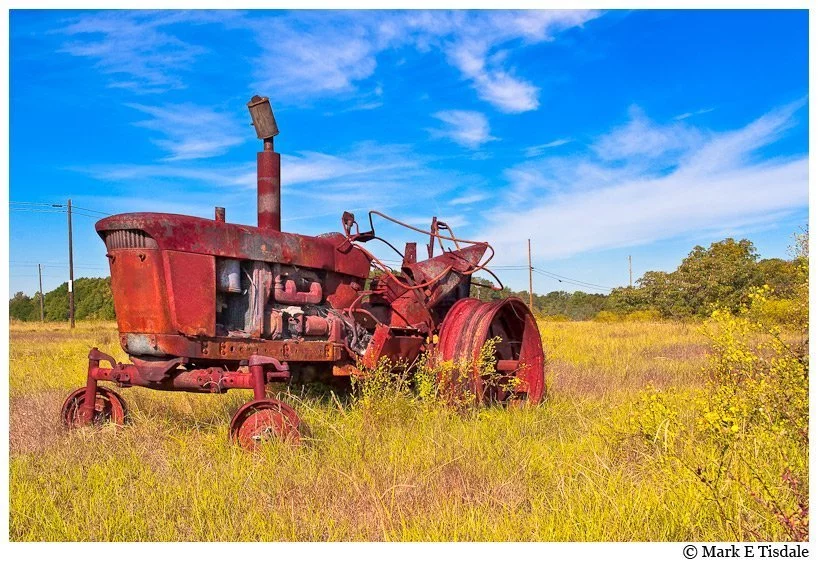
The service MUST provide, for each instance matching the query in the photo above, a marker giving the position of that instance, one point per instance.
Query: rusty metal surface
(263, 118)
(265, 420)
(139, 291)
(471, 323)
(269, 189)
(191, 283)
(170, 375)
(223, 239)
(230, 348)
(108, 407)
(286, 293)
(204, 305)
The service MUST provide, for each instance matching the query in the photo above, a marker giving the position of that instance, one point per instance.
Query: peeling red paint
(204, 305)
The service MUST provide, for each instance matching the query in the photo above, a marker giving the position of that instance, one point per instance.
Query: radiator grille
(129, 239)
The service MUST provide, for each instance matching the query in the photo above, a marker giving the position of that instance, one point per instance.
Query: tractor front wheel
(109, 407)
(265, 420)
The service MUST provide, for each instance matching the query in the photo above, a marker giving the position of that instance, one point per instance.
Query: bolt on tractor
(205, 305)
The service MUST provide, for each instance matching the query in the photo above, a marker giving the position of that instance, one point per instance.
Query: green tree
(626, 299)
(719, 276)
(92, 301)
(780, 275)
(23, 307)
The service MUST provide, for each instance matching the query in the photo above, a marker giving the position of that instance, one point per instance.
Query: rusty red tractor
(207, 306)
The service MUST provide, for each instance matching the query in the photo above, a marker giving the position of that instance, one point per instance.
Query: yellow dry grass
(396, 469)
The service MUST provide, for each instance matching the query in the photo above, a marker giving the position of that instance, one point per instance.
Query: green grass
(395, 469)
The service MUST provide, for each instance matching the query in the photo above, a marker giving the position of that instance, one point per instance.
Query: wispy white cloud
(306, 55)
(190, 131)
(686, 115)
(169, 203)
(478, 44)
(646, 195)
(466, 128)
(228, 176)
(294, 58)
(315, 186)
(472, 198)
(365, 161)
(135, 47)
(454, 221)
(641, 137)
(537, 150)
(298, 169)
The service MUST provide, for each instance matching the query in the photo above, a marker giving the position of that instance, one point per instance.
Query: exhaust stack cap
(263, 119)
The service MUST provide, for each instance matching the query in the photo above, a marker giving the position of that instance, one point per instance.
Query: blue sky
(596, 134)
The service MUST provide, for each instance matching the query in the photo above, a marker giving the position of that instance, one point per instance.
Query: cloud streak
(136, 47)
(637, 194)
(537, 150)
(466, 128)
(308, 55)
(478, 44)
(641, 137)
(297, 169)
(294, 58)
(315, 186)
(190, 131)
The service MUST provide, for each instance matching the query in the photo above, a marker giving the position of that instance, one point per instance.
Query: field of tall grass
(583, 466)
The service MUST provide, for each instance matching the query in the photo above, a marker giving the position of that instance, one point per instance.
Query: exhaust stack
(268, 165)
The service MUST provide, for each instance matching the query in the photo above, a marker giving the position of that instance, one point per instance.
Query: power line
(49, 205)
(34, 203)
(95, 217)
(36, 210)
(562, 279)
(83, 265)
(568, 280)
(555, 276)
(94, 211)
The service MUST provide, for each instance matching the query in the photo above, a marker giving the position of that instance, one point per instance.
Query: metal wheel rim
(263, 421)
(467, 327)
(109, 406)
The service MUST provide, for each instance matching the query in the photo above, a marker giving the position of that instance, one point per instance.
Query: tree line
(92, 301)
(722, 275)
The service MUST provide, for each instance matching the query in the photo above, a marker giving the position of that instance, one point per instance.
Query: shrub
(643, 316)
(555, 318)
(756, 401)
(607, 317)
(429, 379)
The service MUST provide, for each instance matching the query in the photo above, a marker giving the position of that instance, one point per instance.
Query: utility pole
(530, 280)
(42, 311)
(70, 269)
(630, 272)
